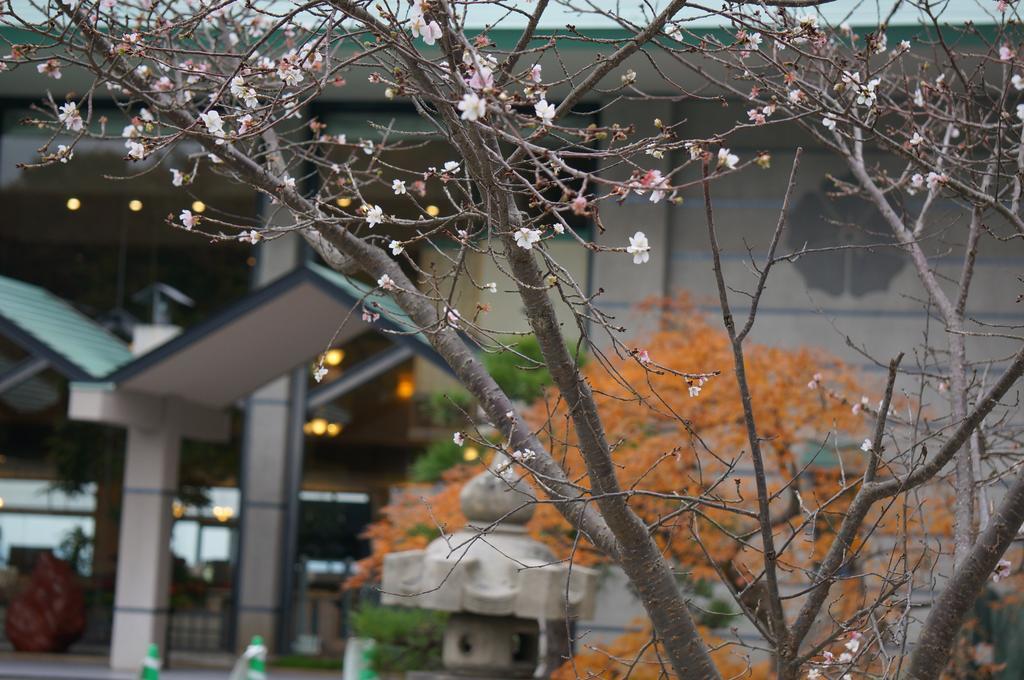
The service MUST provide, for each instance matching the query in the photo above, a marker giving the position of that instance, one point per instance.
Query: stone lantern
(497, 582)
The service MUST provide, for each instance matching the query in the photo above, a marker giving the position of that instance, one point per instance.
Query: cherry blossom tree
(227, 86)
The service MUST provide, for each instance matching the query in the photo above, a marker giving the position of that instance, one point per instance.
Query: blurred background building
(269, 501)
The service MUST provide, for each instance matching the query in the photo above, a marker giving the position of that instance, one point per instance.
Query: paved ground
(73, 668)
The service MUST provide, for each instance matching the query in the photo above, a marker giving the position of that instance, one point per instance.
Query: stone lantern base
(495, 581)
(490, 646)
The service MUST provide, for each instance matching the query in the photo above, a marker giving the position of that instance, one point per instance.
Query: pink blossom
(482, 78)
(1002, 570)
(188, 220)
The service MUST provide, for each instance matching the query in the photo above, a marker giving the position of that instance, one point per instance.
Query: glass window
(94, 230)
(39, 494)
(24, 535)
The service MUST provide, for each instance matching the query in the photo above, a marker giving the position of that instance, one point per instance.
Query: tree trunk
(948, 612)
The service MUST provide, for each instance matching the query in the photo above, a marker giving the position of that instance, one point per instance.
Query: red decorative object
(49, 615)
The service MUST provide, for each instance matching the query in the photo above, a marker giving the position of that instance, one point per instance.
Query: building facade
(266, 520)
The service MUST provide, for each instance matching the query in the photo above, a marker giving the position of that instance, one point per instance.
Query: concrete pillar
(263, 482)
(144, 557)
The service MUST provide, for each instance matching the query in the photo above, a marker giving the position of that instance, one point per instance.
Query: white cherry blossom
(473, 106)
(726, 159)
(213, 122)
(374, 215)
(188, 220)
(523, 456)
(51, 68)
(419, 28)
(639, 248)
(70, 116)
(136, 150)
(526, 237)
(935, 179)
(545, 111)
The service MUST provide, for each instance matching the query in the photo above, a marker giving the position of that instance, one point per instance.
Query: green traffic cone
(258, 660)
(151, 664)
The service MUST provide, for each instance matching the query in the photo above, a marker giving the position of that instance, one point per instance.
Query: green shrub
(445, 409)
(308, 662)
(437, 458)
(406, 639)
(520, 372)
(718, 614)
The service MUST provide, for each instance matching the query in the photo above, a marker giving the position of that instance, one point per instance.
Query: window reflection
(105, 221)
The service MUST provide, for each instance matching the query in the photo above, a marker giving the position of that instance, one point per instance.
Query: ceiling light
(406, 386)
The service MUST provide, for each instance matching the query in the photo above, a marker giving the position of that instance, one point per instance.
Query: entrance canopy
(265, 335)
(57, 335)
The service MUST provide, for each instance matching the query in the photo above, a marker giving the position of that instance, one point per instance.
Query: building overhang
(188, 382)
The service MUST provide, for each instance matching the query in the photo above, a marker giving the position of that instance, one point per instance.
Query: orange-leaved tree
(678, 437)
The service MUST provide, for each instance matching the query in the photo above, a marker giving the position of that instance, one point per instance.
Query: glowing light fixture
(433, 210)
(223, 513)
(321, 427)
(198, 206)
(343, 202)
(73, 203)
(178, 509)
(1, 502)
(135, 205)
(318, 426)
(334, 356)
(470, 453)
(406, 386)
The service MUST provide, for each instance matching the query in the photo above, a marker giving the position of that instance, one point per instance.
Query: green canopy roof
(264, 335)
(46, 326)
